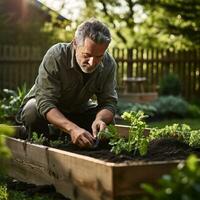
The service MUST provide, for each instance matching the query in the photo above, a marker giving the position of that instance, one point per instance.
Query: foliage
(4, 151)
(181, 184)
(163, 107)
(193, 123)
(3, 192)
(166, 24)
(170, 85)
(38, 138)
(176, 23)
(171, 106)
(10, 103)
(193, 111)
(137, 140)
(148, 109)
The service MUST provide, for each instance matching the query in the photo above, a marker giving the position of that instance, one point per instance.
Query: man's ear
(74, 43)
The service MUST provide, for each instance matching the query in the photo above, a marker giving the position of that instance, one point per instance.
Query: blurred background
(155, 44)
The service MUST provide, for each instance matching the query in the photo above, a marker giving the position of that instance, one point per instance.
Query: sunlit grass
(193, 123)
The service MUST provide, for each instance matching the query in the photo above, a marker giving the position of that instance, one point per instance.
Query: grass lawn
(193, 123)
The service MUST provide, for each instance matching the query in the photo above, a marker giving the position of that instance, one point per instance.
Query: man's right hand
(79, 136)
(82, 137)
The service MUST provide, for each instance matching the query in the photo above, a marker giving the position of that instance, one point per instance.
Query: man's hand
(82, 138)
(97, 125)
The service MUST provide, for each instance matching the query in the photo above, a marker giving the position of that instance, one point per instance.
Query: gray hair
(93, 29)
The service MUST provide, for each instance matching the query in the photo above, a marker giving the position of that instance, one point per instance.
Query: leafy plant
(4, 151)
(10, 103)
(38, 138)
(148, 109)
(3, 192)
(169, 106)
(136, 139)
(181, 184)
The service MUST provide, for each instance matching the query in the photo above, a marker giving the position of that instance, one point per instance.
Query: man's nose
(92, 61)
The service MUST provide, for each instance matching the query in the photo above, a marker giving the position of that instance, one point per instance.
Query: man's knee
(29, 114)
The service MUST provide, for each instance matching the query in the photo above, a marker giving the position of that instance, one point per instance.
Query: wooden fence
(154, 64)
(19, 65)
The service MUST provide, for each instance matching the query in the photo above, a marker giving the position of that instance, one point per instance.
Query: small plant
(10, 103)
(38, 138)
(138, 141)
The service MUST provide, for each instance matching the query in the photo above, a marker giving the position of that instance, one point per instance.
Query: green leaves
(138, 141)
(183, 183)
(4, 151)
(10, 103)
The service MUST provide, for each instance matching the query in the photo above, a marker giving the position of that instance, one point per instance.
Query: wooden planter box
(81, 177)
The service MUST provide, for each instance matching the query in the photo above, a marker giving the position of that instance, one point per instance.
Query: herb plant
(138, 141)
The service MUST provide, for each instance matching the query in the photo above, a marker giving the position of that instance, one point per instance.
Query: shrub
(148, 109)
(170, 85)
(171, 106)
(182, 183)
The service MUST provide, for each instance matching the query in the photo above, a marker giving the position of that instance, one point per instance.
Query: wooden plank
(73, 175)
(81, 177)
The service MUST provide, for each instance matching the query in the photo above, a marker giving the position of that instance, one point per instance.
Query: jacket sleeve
(107, 96)
(47, 84)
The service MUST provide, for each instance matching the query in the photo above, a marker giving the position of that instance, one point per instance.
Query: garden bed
(95, 174)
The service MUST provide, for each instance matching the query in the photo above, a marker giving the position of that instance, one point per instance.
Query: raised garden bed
(84, 177)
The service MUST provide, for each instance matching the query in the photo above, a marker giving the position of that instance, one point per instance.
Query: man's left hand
(98, 125)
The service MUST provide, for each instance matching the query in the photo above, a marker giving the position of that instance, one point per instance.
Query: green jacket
(60, 83)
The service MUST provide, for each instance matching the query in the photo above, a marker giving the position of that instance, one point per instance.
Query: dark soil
(159, 150)
(31, 190)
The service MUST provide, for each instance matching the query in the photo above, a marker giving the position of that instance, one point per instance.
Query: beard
(86, 70)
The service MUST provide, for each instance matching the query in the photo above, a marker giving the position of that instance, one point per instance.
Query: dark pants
(33, 121)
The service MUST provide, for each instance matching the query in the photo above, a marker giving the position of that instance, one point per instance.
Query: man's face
(89, 55)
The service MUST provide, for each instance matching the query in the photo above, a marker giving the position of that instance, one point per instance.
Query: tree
(154, 23)
(176, 23)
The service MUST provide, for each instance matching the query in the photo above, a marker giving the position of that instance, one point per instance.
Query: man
(69, 75)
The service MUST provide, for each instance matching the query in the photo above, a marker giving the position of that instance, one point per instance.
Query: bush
(170, 85)
(148, 109)
(171, 106)
(182, 184)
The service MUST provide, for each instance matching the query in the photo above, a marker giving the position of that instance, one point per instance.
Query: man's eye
(86, 56)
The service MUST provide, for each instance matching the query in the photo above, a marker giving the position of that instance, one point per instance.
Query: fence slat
(20, 64)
